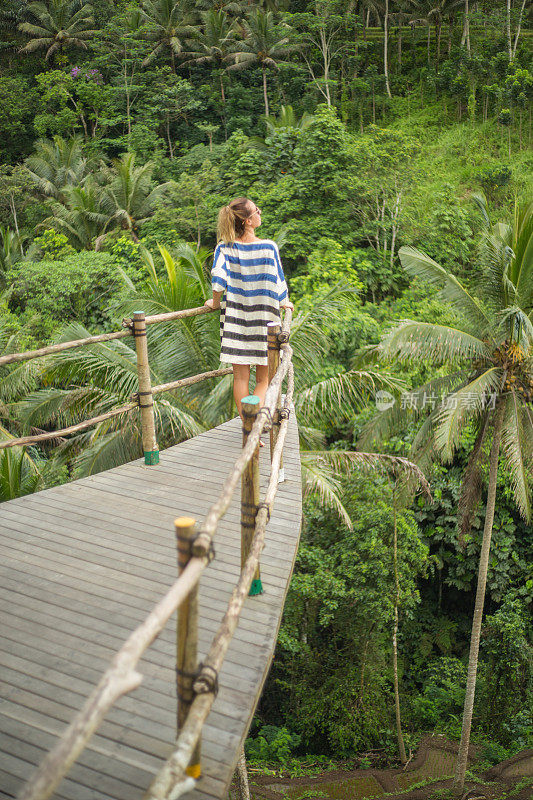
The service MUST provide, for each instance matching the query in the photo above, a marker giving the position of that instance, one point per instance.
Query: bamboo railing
(142, 399)
(196, 684)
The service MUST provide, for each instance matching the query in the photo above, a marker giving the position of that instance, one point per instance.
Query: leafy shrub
(494, 178)
(440, 704)
(52, 246)
(77, 287)
(272, 744)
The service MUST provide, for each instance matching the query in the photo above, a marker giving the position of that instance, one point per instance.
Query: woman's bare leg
(241, 384)
(261, 382)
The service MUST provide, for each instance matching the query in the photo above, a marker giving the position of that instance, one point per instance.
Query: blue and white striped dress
(251, 277)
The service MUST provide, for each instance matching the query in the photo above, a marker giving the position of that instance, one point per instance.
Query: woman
(249, 287)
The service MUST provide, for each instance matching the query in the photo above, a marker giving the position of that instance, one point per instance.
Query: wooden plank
(64, 621)
(54, 536)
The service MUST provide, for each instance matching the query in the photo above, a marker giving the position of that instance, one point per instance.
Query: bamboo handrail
(202, 376)
(202, 543)
(122, 677)
(119, 679)
(27, 355)
(80, 426)
(172, 776)
(286, 326)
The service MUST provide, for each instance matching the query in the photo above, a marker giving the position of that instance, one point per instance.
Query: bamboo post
(146, 400)
(250, 490)
(187, 639)
(273, 332)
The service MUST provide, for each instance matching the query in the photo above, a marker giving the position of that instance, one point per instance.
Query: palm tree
(10, 250)
(287, 119)
(59, 24)
(19, 474)
(490, 387)
(55, 164)
(80, 215)
(265, 43)
(129, 199)
(170, 23)
(212, 44)
(436, 12)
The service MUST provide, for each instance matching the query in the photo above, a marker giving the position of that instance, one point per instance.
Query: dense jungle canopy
(388, 144)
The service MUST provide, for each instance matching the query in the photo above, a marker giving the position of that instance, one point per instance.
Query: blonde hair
(232, 219)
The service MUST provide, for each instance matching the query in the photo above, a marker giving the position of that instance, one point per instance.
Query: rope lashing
(266, 412)
(208, 554)
(207, 680)
(267, 506)
(187, 694)
(283, 337)
(284, 413)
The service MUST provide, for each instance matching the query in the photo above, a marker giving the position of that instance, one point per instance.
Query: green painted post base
(256, 588)
(151, 457)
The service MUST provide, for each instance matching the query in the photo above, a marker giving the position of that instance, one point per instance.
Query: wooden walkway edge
(81, 565)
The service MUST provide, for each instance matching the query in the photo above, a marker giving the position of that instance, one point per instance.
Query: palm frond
(338, 396)
(424, 341)
(394, 467)
(461, 406)
(420, 265)
(409, 407)
(311, 438)
(318, 478)
(518, 454)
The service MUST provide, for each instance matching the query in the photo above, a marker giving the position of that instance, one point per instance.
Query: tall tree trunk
(169, 140)
(465, 39)
(400, 47)
(326, 61)
(265, 93)
(462, 756)
(15, 219)
(401, 745)
(386, 48)
(518, 27)
(508, 29)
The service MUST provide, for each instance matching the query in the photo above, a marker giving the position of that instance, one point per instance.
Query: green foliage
(53, 246)
(271, 743)
(17, 105)
(439, 705)
(508, 667)
(327, 265)
(75, 287)
(332, 664)
(18, 474)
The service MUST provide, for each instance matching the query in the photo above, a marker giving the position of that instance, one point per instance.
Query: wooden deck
(81, 565)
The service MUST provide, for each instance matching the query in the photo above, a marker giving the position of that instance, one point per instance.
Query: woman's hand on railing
(287, 304)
